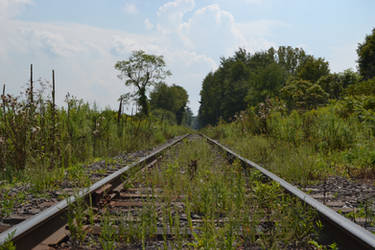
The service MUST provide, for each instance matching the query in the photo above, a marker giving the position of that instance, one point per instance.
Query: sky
(83, 39)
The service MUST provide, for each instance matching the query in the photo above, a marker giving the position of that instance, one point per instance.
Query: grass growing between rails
(304, 147)
(199, 201)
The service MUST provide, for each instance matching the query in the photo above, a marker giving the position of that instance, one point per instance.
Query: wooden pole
(53, 119)
(119, 111)
(53, 89)
(3, 97)
(31, 84)
(53, 103)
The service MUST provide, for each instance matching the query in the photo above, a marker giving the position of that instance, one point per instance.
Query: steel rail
(346, 232)
(35, 229)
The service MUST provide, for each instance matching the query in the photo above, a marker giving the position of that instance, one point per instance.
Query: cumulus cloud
(209, 30)
(170, 15)
(215, 32)
(83, 56)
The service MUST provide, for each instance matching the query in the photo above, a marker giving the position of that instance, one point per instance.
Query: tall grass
(36, 134)
(304, 146)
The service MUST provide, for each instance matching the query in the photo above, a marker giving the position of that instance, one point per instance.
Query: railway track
(158, 205)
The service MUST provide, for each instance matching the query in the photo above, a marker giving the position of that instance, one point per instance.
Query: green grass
(303, 147)
(237, 208)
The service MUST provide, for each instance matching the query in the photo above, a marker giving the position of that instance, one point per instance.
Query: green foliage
(301, 80)
(266, 83)
(209, 110)
(173, 99)
(39, 143)
(142, 71)
(225, 207)
(76, 222)
(362, 88)
(306, 146)
(332, 85)
(290, 58)
(108, 233)
(302, 94)
(250, 79)
(164, 115)
(366, 56)
(312, 69)
(9, 245)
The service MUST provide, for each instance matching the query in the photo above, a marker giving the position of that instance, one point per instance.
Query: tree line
(287, 76)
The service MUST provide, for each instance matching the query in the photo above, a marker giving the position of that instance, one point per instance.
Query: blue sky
(83, 39)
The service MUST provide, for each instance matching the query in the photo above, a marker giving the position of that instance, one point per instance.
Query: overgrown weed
(224, 206)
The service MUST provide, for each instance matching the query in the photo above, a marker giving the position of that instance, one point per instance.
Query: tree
(210, 103)
(290, 58)
(303, 94)
(335, 84)
(173, 99)
(266, 83)
(249, 79)
(366, 57)
(312, 69)
(349, 77)
(365, 88)
(332, 85)
(188, 117)
(142, 71)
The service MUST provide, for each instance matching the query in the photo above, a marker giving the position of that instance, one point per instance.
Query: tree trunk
(143, 101)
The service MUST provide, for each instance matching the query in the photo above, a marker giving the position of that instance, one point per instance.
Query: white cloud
(210, 30)
(177, 6)
(130, 8)
(170, 15)
(148, 24)
(215, 32)
(84, 56)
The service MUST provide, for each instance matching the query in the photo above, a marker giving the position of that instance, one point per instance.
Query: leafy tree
(349, 77)
(160, 97)
(302, 94)
(335, 84)
(209, 110)
(250, 79)
(365, 88)
(332, 85)
(142, 71)
(234, 87)
(290, 58)
(312, 69)
(366, 56)
(188, 117)
(173, 99)
(266, 83)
